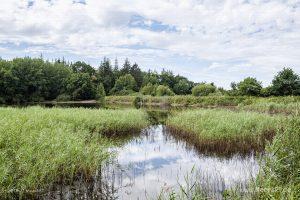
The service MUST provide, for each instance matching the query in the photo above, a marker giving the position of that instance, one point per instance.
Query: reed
(226, 131)
(280, 175)
(273, 107)
(40, 147)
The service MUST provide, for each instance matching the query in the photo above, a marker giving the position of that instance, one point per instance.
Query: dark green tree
(286, 82)
(151, 77)
(136, 72)
(82, 67)
(183, 87)
(167, 78)
(124, 85)
(249, 86)
(126, 68)
(80, 87)
(106, 75)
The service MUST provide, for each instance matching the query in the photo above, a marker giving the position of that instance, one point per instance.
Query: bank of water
(155, 163)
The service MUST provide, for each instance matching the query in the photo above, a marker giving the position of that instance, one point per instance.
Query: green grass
(39, 147)
(286, 104)
(280, 175)
(224, 130)
(273, 107)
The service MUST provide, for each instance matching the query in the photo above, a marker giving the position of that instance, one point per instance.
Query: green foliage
(106, 75)
(151, 77)
(249, 86)
(167, 78)
(286, 82)
(124, 85)
(63, 97)
(82, 67)
(80, 87)
(149, 89)
(280, 178)
(183, 87)
(273, 105)
(163, 90)
(27, 79)
(266, 92)
(41, 146)
(126, 68)
(137, 74)
(100, 93)
(203, 89)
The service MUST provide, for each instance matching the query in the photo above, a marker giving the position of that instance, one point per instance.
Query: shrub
(203, 89)
(163, 90)
(149, 89)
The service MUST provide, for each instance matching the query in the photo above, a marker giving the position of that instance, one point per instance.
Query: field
(40, 146)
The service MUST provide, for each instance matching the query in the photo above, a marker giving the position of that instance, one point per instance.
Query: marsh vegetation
(101, 151)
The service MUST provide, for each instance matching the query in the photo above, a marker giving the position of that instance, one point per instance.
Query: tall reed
(39, 147)
(226, 131)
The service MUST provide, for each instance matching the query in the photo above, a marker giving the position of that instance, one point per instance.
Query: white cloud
(264, 35)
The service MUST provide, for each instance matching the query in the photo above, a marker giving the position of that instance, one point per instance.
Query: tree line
(35, 79)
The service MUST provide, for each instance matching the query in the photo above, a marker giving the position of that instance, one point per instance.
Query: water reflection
(155, 161)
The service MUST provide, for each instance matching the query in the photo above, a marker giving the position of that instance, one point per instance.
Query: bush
(163, 90)
(203, 89)
(149, 89)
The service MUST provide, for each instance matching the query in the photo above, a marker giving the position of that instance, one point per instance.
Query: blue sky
(206, 40)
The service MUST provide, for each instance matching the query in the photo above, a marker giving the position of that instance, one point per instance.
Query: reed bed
(225, 131)
(280, 175)
(273, 107)
(40, 147)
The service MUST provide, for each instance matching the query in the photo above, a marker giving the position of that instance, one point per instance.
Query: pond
(156, 162)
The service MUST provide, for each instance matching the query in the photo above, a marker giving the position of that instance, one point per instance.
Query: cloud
(263, 35)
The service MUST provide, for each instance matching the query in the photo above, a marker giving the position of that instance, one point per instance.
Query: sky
(218, 41)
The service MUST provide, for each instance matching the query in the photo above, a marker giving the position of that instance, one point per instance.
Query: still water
(155, 163)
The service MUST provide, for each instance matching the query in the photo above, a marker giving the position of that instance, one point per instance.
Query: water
(156, 162)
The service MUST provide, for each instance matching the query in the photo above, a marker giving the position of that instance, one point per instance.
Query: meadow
(40, 147)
